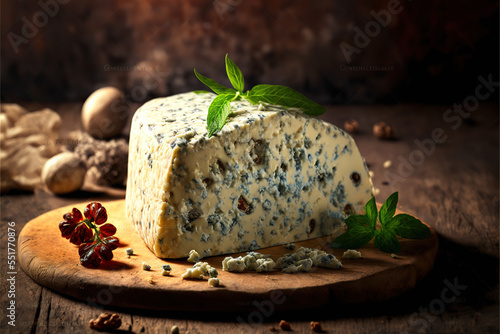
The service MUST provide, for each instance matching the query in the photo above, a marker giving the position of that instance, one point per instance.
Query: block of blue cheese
(272, 176)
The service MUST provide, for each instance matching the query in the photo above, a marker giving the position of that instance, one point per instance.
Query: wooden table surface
(453, 185)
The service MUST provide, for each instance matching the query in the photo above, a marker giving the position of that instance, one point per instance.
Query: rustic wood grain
(465, 166)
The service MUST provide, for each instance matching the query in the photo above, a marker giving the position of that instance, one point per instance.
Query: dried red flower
(95, 213)
(91, 254)
(95, 238)
(74, 228)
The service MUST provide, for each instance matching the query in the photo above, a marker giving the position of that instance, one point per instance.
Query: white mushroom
(64, 173)
(105, 113)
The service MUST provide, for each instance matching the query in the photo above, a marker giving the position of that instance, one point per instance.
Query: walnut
(106, 160)
(383, 130)
(106, 322)
(284, 325)
(351, 125)
(316, 327)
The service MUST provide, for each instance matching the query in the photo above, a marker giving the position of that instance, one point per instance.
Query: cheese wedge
(271, 176)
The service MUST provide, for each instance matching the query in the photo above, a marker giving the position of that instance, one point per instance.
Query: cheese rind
(270, 177)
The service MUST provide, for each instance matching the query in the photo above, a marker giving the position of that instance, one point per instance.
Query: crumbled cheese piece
(199, 270)
(351, 254)
(296, 261)
(196, 273)
(290, 246)
(371, 173)
(212, 272)
(394, 256)
(146, 266)
(265, 265)
(327, 261)
(252, 261)
(387, 164)
(166, 269)
(233, 264)
(129, 251)
(301, 265)
(376, 191)
(213, 282)
(194, 256)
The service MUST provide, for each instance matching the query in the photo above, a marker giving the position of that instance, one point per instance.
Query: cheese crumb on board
(304, 258)
(200, 270)
(166, 269)
(252, 261)
(213, 282)
(146, 266)
(351, 254)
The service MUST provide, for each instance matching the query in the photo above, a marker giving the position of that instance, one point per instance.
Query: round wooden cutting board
(53, 262)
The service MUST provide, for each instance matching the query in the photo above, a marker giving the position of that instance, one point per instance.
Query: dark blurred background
(337, 52)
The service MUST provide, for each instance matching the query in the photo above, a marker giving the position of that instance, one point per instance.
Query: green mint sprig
(220, 109)
(361, 229)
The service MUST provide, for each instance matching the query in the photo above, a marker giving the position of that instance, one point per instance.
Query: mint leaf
(362, 228)
(234, 74)
(353, 221)
(371, 212)
(216, 87)
(387, 241)
(409, 227)
(272, 94)
(200, 91)
(218, 111)
(284, 96)
(354, 237)
(388, 209)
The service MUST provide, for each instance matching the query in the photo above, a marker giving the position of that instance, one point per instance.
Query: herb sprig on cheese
(220, 109)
